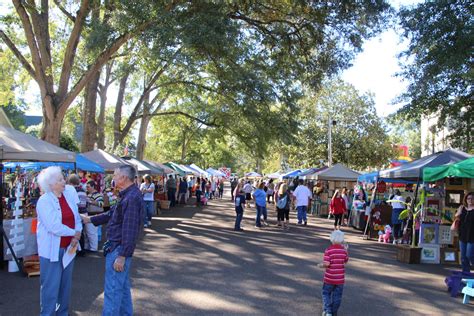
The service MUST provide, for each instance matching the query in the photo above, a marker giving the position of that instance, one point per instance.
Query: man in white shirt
(397, 208)
(248, 193)
(302, 195)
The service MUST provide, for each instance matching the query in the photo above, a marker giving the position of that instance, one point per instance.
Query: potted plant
(411, 253)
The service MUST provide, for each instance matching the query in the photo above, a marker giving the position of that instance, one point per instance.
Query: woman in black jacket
(465, 216)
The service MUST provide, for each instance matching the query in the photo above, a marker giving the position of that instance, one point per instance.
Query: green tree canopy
(438, 63)
(359, 137)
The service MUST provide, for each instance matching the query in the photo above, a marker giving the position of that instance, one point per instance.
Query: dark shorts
(248, 196)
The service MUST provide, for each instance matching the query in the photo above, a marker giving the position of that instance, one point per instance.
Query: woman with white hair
(59, 226)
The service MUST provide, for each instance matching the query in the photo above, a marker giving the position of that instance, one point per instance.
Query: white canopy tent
(107, 161)
(338, 172)
(275, 175)
(18, 146)
(200, 170)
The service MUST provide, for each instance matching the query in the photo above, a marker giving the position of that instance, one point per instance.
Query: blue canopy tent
(215, 172)
(373, 177)
(292, 174)
(82, 163)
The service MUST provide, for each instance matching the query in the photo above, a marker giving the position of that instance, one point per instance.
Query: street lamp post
(331, 123)
(347, 153)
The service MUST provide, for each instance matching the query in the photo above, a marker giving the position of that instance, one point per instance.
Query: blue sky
(374, 69)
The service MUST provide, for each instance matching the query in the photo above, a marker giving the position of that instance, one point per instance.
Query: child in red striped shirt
(335, 258)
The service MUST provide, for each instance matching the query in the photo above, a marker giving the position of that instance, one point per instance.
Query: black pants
(172, 196)
(198, 197)
(397, 231)
(232, 189)
(283, 213)
(337, 220)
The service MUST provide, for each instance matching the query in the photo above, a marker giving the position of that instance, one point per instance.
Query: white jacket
(50, 227)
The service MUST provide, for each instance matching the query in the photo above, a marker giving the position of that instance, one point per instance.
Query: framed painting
(430, 254)
(454, 198)
(449, 256)
(429, 234)
(445, 235)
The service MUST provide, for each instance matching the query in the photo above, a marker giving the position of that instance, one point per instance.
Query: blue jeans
(467, 255)
(261, 210)
(302, 213)
(148, 210)
(238, 218)
(172, 196)
(332, 296)
(117, 288)
(55, 285)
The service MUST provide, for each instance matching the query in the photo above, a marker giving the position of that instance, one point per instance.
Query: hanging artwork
(429, 234)
(445, 235)
(430, 254)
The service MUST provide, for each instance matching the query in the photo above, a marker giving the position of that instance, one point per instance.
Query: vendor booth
(18, 192)
(452, 181)
(438, 201)
(329, 180)
(381, 213)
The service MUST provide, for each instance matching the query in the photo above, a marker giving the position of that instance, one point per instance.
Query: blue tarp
(310, 171)
(371, 177)
(82, 163)
(292, 174)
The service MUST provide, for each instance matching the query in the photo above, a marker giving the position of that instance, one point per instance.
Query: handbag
(455, 225)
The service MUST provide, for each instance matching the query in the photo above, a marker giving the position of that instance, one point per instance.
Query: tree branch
(31, 40)
(40, 23)
(100, 61)
(70, 53)
(18, 54)
(63, 10)
(210, 124)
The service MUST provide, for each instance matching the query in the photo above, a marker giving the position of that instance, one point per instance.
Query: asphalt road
(191, 262)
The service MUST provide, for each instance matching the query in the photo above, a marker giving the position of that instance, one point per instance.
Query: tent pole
(3, 235)
(371, 205)
(412, 206)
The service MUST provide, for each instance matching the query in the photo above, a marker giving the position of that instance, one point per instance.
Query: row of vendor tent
(338, 172)
(193, 170)
(413, 171)
(82, 163)
(16, 146)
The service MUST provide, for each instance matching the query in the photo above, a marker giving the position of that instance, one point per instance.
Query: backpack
(281, 204)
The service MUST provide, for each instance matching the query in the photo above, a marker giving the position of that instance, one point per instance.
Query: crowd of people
(68, 217)
(285, 195)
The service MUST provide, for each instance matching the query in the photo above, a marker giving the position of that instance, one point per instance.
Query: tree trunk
(118, 110)
(142, 136)
(52, 121)
(89, 132)
(101, 119)
(183, 146)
